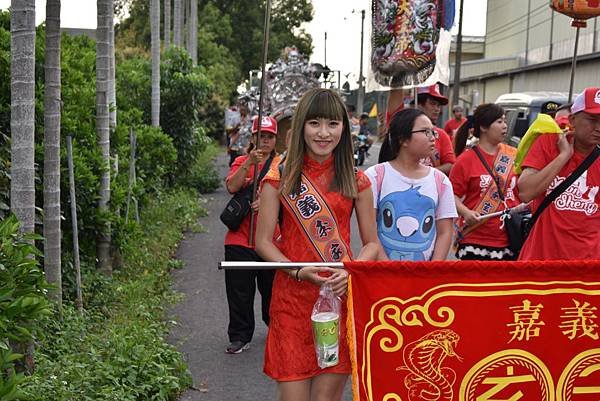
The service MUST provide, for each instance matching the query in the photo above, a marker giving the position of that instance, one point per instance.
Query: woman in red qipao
(316, 194)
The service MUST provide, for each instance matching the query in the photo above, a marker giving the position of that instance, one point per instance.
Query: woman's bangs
(325, 106)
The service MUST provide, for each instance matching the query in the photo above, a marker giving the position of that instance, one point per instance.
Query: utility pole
(458, 57)
(551, 51)
(325, 48)
(361, 90)
(527, 33)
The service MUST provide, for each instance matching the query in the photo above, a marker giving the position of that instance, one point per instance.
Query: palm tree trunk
(167, 24)
(177, 16)
(194, 31)
(52, 98)
(22, 115)
(103, 131)
(155, 43)
(112, 90)
(22, 127)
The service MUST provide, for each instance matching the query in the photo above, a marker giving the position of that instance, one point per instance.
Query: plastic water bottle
(326, 327)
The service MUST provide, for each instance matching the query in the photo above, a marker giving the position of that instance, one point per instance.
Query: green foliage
(203, 175)
(117, 349)
(22, 300)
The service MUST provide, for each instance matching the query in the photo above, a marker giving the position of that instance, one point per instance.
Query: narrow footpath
(201, 315)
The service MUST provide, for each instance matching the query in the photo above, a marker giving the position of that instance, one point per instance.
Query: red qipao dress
(290, 352)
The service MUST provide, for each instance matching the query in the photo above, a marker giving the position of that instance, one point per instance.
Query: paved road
(201, 333)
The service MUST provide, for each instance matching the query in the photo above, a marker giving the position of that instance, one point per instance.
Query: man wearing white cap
(430, 102)
(569, 228)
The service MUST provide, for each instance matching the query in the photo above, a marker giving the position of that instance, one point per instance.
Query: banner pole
(263, 80)
(274, 265)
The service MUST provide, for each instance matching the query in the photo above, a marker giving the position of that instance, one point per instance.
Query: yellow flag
(373, 112)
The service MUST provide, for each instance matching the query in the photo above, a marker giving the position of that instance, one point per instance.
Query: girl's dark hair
(399, 131)
(483, 116)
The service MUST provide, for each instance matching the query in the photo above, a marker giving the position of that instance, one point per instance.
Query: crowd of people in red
(431, 188)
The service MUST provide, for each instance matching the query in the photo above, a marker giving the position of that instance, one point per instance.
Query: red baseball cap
(433, 91)
(268, 124)
(588, 101)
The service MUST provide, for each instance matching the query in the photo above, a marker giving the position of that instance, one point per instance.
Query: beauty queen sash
(317, 220)
(490, 201)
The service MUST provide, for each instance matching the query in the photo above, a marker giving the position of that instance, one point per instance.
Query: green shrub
(117, 350)
(22, 300)
(203, 175)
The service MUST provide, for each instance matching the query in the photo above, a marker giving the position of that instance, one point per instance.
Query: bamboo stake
(263, 85)
(132, 146)
(73, 199)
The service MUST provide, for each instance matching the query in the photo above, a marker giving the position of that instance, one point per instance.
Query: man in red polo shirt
(430, 102)
(453, 124)
(569, 228)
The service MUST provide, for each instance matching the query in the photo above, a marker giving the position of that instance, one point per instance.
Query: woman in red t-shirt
(241, 285)
(478, 193)
(319, 172)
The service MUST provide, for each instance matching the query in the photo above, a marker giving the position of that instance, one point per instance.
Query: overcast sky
(334, 16)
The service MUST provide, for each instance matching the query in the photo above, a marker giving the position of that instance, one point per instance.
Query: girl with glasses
(414, 203)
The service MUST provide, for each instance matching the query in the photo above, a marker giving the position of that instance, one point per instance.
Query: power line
(517, 33)
(515, 22)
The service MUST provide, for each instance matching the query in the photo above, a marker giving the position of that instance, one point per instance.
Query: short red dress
(290, 352)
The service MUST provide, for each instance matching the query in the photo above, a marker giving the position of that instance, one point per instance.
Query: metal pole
(263, 83)
(325, 48)
(551, 34)
(527, 32)
(573, 66)
(457, 58)
(595, 37)
(361, 90)
(274, 265)
(78, 296)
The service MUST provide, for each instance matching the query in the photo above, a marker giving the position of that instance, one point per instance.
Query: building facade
(528, 47)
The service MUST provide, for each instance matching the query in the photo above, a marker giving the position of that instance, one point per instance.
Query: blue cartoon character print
(406, 224)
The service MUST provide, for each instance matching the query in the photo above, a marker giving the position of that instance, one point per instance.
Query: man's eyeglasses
(429, 133)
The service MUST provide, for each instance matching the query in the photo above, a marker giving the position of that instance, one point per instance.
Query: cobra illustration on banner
(475, 331)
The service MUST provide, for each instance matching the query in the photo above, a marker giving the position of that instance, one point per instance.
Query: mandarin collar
(315, 165)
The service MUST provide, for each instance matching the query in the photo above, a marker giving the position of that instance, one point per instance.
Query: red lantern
(579, 10)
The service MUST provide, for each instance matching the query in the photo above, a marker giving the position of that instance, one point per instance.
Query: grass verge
(117, 350)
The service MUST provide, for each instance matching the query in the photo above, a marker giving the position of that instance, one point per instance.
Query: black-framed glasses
(429, 133)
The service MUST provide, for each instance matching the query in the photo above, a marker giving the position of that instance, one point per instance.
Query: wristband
(297, 274)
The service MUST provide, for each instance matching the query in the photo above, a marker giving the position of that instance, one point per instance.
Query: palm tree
(52, 97)
(177, 17)
(22, 115)
(167, 23)
(112, 89)
(193, 26)
(103, 130)
(155, 43)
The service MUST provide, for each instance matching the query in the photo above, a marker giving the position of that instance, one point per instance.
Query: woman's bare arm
(367, 225)
(443, 239)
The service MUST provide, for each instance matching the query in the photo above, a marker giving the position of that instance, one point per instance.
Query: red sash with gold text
(490, 202)
(317, 220)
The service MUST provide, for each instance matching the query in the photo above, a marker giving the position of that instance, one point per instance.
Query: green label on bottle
(326, 329)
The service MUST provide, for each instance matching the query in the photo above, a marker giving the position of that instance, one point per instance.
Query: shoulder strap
(265, 169)
(585, 164)
(489, 170)
(439, 182)
(379, 174)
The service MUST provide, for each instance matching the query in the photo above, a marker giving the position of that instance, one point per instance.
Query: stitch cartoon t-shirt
(569, 228)
(407, 210)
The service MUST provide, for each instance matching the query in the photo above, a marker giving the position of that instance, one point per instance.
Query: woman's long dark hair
(399, 131)
(483, 116)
